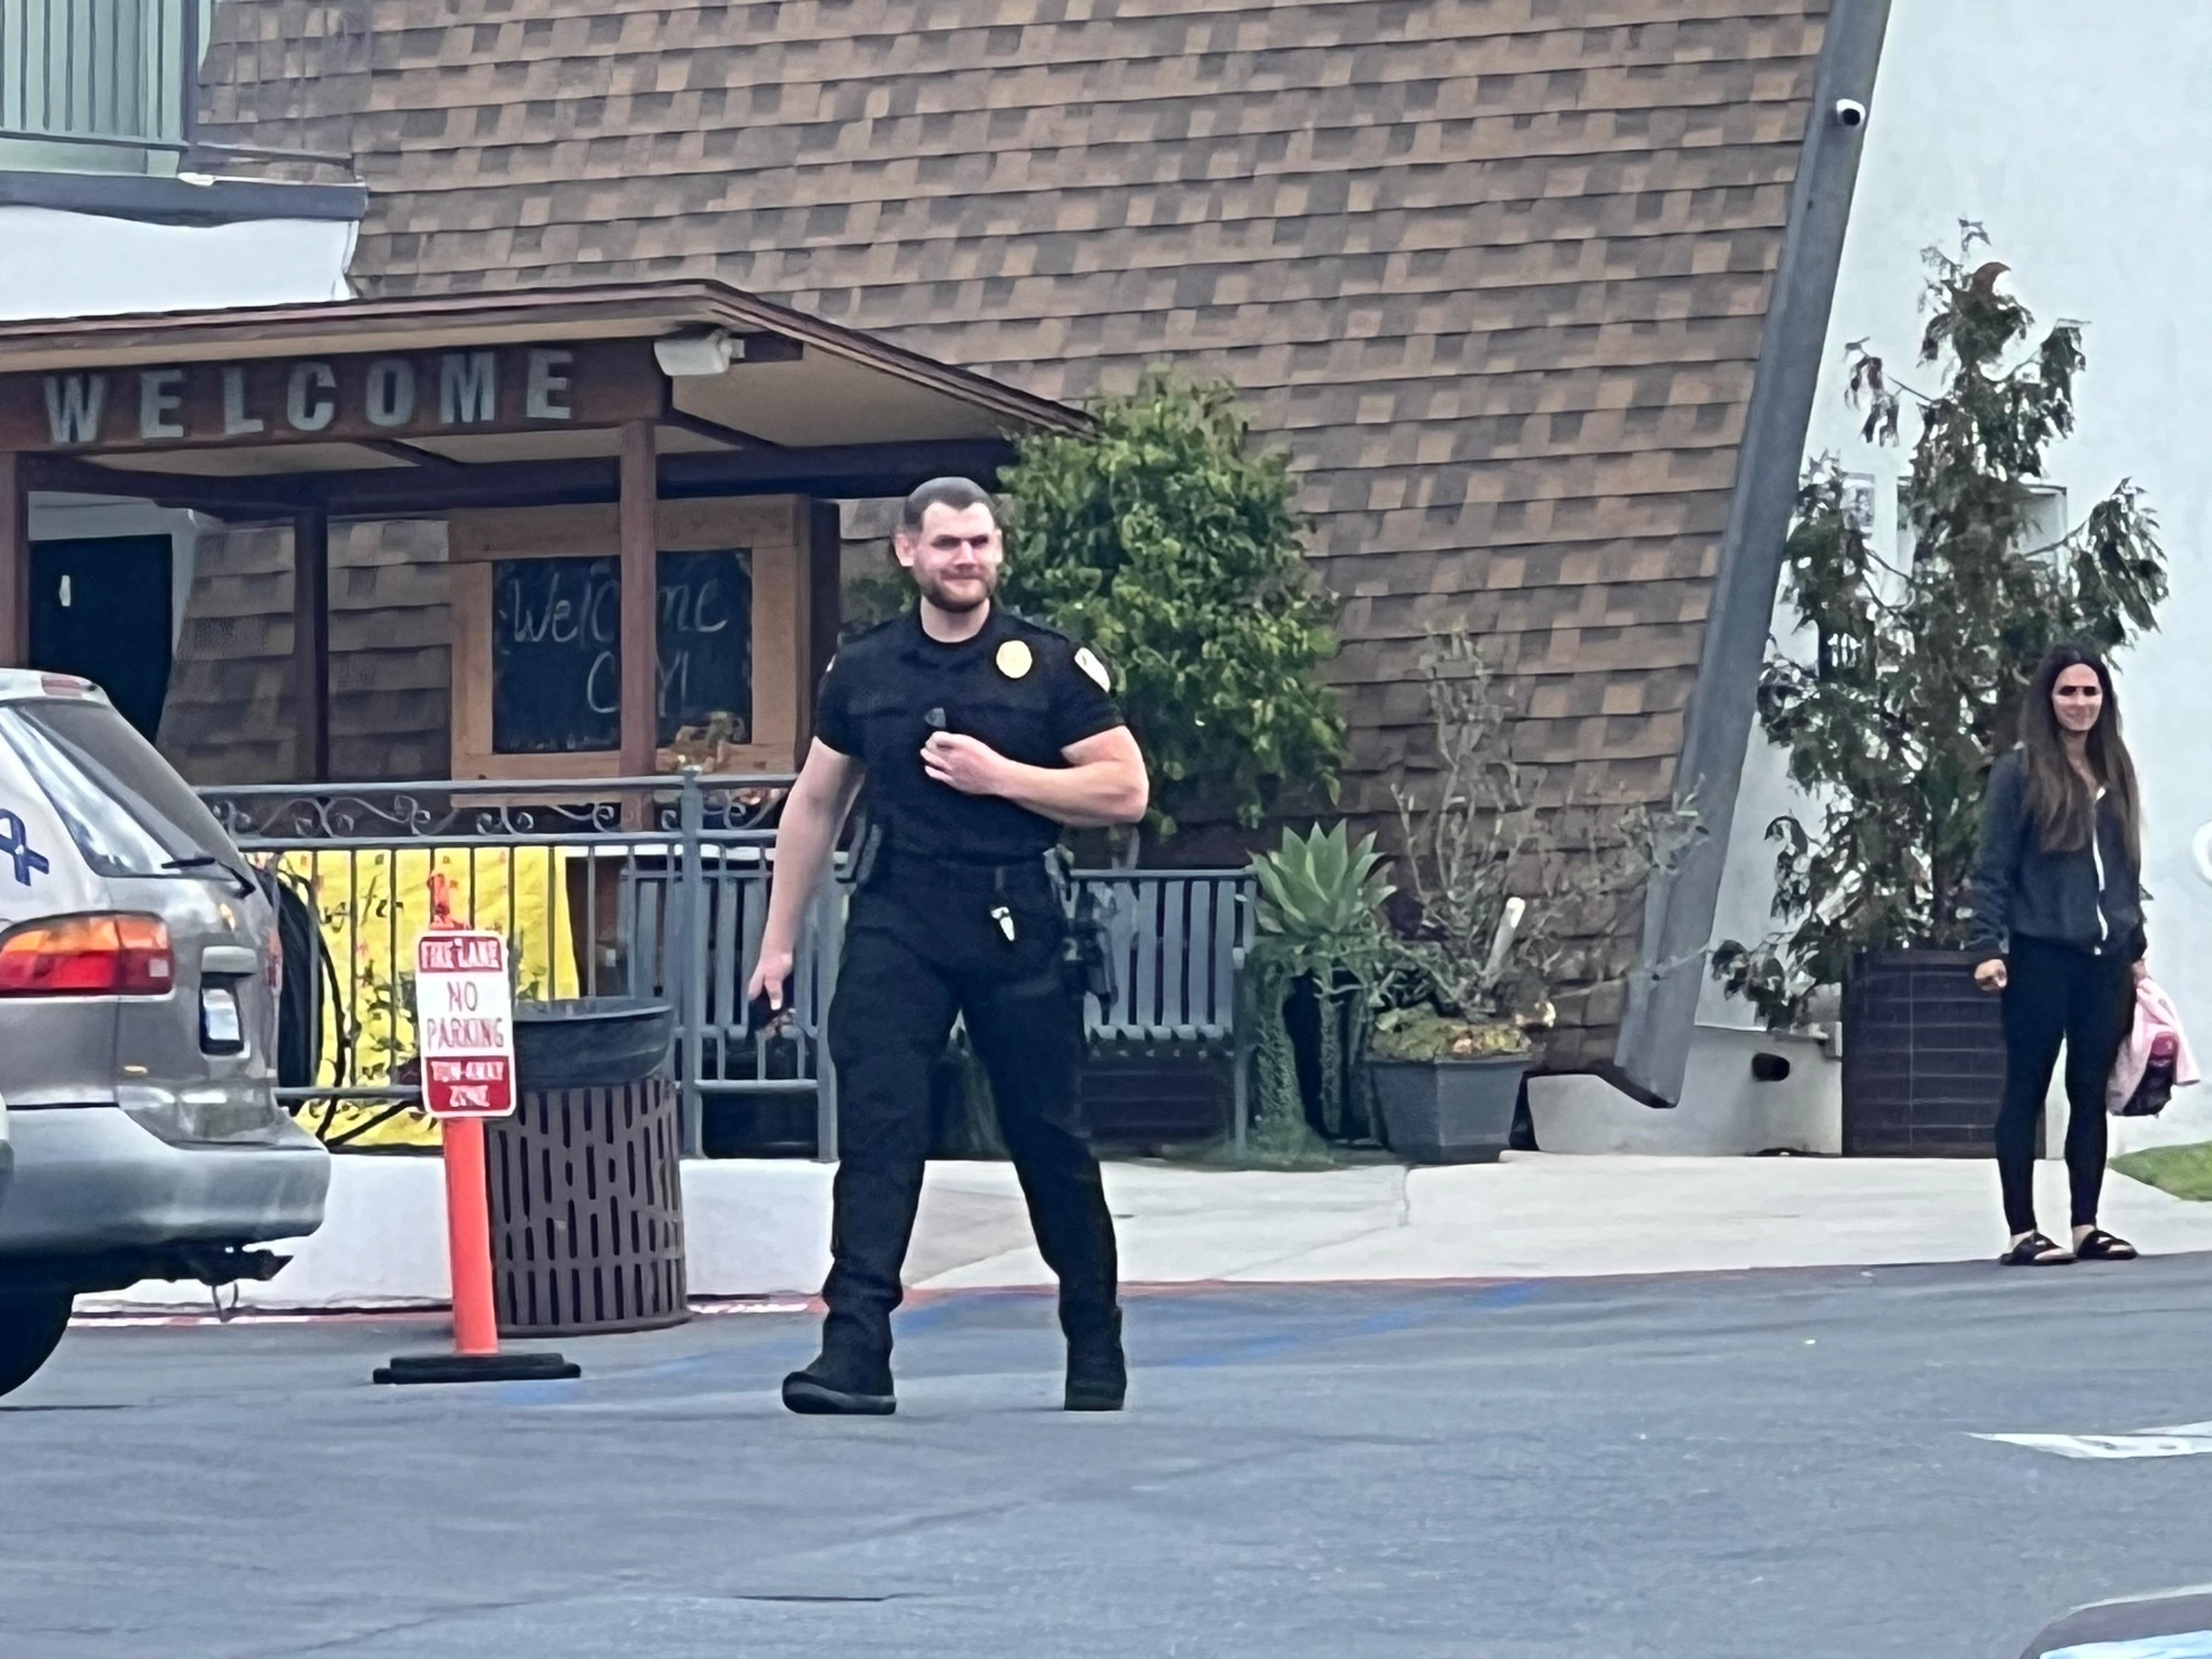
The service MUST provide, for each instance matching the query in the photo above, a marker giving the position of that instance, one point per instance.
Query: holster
(1085, 959)
(867, 850)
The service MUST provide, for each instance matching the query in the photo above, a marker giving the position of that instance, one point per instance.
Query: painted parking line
(1311, 1333)
(95, 1319)
(2182, 1440)
(2190, 1645)
(100, 1319)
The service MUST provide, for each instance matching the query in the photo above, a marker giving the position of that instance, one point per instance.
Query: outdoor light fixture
(696, 351)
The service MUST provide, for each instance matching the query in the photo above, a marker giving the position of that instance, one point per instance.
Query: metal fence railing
(654, 888)
(112, 74)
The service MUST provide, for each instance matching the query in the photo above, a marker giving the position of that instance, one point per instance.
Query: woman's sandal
(2037, 1251)
(2098, 1245)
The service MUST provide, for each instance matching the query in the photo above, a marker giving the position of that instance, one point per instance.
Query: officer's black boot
(851, 1376)
(1097, 1375)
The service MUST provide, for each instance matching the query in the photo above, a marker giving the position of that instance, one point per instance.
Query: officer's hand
(770, 978)
(972, 767)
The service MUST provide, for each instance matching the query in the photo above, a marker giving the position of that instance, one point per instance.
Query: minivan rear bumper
(89, 1178)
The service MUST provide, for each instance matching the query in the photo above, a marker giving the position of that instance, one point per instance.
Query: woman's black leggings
(2057, 994)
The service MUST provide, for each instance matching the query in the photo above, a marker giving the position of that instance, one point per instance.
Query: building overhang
(364, 408)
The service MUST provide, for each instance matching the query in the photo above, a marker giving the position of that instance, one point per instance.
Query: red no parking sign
(464, 1033)
(465, 1024)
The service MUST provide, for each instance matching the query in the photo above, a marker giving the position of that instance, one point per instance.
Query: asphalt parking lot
(1758, 1466)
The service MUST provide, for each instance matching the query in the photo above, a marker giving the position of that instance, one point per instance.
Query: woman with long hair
(2059, 931)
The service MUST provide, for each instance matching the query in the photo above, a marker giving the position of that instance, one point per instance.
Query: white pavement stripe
(2183, 1440)
(2190, 1645)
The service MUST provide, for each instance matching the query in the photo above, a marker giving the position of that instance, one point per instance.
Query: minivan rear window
(128, 811)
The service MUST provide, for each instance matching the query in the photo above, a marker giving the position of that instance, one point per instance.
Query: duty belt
(961, 874)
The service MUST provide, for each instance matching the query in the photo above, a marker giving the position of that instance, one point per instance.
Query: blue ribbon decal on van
(16, 843)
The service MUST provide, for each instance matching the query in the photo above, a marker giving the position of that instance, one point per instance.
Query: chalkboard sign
(556, 651)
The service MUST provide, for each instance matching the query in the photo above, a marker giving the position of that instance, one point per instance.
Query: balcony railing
(112, 74)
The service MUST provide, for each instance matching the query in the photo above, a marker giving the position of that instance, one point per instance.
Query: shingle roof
(1495, 270)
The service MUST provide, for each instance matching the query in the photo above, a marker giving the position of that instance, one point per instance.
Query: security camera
(696, 351)
(1850, 113)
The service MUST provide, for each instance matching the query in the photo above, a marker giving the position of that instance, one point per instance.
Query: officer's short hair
(958, 493)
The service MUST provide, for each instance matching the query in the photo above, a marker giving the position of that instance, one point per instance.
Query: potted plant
(1322, 944)
(1464, 984)
(1501, 900)
(1899, 689)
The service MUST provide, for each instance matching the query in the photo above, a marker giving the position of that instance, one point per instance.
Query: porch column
(15, 563)
(640, 546)
(311, 642)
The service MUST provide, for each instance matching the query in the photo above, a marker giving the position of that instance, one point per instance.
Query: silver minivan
(138, 1006)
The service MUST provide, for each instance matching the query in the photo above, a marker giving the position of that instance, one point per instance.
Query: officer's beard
(972, 595)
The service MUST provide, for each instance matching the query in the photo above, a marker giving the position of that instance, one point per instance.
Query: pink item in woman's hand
(2155, 1058)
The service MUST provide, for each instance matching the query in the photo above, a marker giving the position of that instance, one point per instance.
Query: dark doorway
(100, 609)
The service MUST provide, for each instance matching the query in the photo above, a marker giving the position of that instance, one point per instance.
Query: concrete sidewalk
(763, 1228)
(1534, 1216)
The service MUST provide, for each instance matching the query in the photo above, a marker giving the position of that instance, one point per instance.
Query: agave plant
(1320, 896)
(1319, 914)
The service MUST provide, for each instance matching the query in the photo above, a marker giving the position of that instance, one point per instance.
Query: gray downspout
(1659, 1012)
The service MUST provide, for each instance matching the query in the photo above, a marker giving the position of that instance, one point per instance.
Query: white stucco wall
(2075, 134)
(54, 263)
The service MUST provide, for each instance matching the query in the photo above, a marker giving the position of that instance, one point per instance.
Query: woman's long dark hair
(2064, 806)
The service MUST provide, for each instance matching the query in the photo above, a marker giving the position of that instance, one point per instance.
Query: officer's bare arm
(1103, 782)
(813, 813)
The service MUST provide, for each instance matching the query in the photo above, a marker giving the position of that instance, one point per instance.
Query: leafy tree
(1167, 545)
(1911, 687)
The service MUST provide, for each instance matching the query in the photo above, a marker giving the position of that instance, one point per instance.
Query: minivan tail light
(88, 957)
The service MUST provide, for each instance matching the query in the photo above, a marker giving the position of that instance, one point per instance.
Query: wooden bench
(1178, 939)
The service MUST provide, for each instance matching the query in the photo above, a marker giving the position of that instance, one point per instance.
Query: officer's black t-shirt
(1027, 691)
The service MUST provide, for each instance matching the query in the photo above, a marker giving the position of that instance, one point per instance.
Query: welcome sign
(359, 398)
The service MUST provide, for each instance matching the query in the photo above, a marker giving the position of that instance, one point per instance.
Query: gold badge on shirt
(1015, 660)
(1091, 666)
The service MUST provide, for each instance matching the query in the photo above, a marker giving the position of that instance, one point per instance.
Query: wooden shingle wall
(229, 716)
(1494, 270)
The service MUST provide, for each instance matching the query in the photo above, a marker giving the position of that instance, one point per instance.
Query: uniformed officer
(979, 736)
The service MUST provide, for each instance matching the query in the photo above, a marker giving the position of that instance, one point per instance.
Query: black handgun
(761, 1016)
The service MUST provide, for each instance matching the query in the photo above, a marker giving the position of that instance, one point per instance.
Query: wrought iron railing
(605, 887)
(654, 888)
(112, 75)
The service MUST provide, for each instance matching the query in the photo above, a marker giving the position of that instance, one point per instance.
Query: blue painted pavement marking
(1312, 1332)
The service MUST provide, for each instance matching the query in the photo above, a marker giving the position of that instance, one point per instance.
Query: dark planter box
(1924, 1056)
(1450, 1111)
(1336, 1107)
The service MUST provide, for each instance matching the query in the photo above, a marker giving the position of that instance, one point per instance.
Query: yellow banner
(373, 906)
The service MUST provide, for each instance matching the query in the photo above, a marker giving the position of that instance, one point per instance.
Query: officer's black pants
(917, 952)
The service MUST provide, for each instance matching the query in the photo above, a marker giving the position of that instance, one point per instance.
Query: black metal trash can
(586, 1197)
